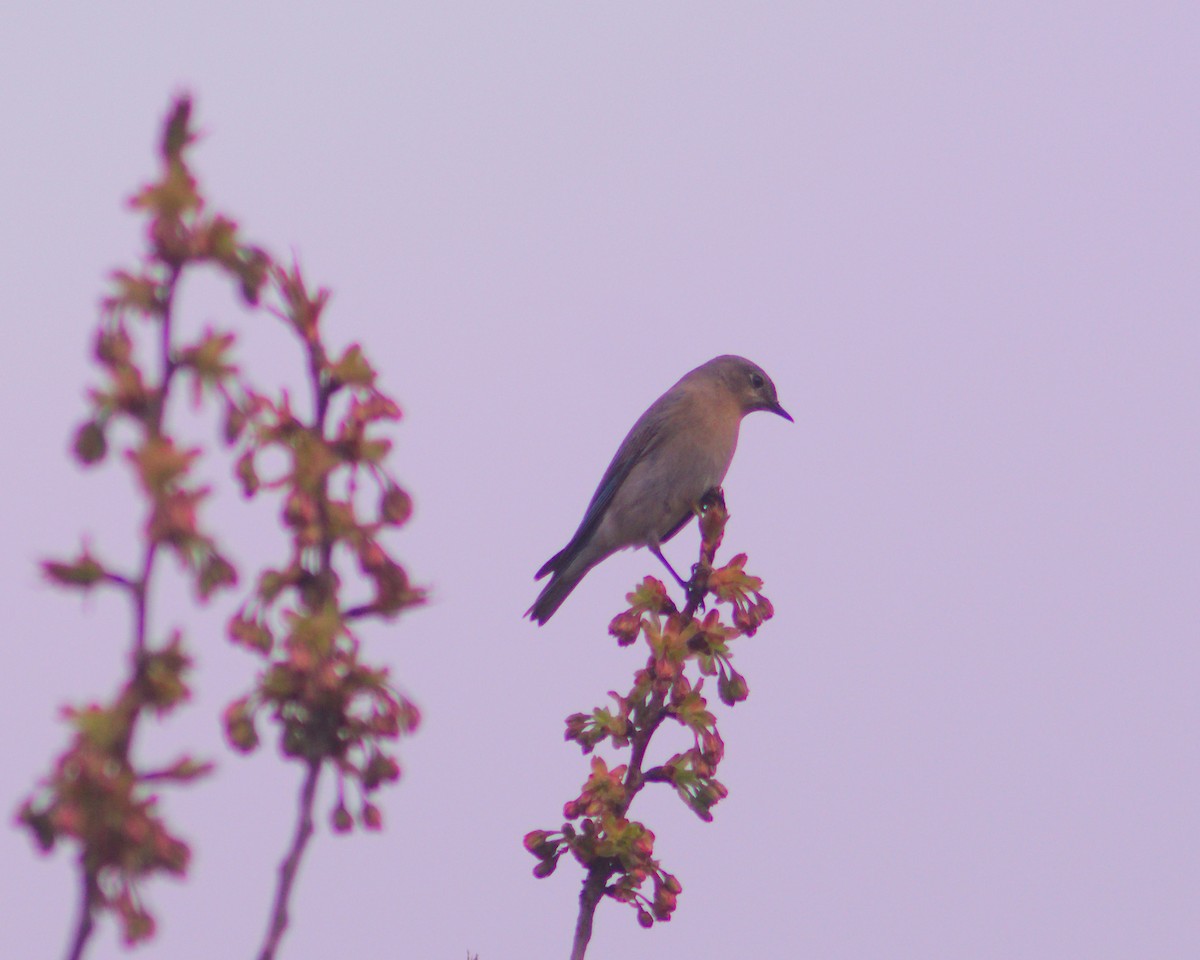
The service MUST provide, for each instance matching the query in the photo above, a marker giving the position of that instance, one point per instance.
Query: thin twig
(141, 587)
(360, 611)
(87, 909)
(120, 580)
(304, 825)
(291, 863)
(139, 591)
(601, 869)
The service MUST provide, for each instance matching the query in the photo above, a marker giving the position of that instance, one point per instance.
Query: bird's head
(748, 383)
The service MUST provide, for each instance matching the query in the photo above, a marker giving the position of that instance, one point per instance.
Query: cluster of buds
(330, 707)
(616, 852)
(179, 231)
(611, 844)
(96, 798)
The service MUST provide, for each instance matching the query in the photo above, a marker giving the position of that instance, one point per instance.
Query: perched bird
(678, 450)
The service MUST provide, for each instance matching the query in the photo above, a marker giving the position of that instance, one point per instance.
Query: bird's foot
(678, 579)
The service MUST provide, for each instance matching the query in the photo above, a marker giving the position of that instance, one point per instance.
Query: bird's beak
(776, 408)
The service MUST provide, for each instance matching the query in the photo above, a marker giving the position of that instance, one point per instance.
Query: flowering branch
(615, 852)
(95, 796)
(333, 709)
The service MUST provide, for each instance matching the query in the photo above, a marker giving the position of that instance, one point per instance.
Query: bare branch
(85, 921)
(291, 863)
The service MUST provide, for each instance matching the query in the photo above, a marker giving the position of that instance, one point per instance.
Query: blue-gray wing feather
(640, 442)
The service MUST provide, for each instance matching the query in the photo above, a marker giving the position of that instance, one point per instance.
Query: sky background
(963, 240)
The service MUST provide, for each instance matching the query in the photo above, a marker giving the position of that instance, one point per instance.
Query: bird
(678, 451)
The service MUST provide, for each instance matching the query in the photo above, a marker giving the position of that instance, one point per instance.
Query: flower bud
(372, 817)
(395, 506)
(341, 820)
(90, 443)
(732, 687)
(239, 726)
(625, 627)
(664, 904)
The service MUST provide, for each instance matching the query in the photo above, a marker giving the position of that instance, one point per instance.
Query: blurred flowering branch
(617, 853)
(331, 707)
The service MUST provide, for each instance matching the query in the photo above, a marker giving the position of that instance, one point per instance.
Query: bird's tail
(552, 596)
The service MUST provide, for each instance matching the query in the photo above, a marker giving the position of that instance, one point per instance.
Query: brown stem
(321, 397)
(119, 580)
(165, 359)
(601, 869)
(360, 611)
(291, 863)
(589, 897)
(290, 867)
(154, 425)
(87, 910)
(139, 591)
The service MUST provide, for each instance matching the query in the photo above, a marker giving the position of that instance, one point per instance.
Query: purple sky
(962, 238)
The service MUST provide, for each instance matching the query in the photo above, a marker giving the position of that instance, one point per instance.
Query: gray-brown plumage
(678, 450)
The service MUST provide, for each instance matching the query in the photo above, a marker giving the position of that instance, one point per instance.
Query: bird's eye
(756, 381)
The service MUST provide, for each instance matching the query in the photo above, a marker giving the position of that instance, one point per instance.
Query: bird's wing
(646, 435)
